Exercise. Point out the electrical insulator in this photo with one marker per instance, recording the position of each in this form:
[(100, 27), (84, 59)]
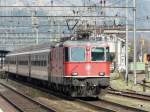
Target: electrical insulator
[(114, 23), (101, 2), (147, 17), (52, 2), (104, 2), (73, 11)]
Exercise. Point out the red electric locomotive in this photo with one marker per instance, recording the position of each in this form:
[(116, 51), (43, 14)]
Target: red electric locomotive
[(77, 68), (87, 66)]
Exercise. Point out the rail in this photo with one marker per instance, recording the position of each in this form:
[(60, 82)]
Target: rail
[(25, 98), (134, 95)]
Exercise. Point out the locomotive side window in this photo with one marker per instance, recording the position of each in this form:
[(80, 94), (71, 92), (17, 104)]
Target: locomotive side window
[(66, 54), (77, 54), (108, 55), (97, 54)]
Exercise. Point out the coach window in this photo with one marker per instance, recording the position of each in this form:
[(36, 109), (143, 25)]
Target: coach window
[(37, 60), (97, 54), (42, 60), (34, 60), (77, 54)]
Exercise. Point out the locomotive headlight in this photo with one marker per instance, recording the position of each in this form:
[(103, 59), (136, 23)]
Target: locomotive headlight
[(74, 74), (102, 73)]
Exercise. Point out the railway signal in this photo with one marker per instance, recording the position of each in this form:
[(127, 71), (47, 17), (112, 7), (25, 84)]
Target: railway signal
[(148, 57)]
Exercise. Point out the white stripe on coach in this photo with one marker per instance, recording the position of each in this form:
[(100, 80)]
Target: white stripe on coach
[(31, 52)]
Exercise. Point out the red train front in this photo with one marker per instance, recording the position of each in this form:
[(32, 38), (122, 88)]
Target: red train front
[(86, 67)]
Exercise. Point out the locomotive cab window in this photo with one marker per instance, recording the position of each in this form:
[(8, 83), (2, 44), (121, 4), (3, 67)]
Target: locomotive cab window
[(97, 54), (77, 54)]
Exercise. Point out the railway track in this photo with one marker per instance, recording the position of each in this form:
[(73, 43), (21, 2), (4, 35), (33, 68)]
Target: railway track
[(129, 94), (101, 105), (22, 102), (108, 106)]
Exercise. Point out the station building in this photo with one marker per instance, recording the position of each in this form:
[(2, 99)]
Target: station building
[(117, 49)]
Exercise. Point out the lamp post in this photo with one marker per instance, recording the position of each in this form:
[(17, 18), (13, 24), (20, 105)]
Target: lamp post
[(126, 76)]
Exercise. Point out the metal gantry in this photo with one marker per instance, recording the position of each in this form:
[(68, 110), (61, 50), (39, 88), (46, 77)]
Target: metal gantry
[(29, 22)]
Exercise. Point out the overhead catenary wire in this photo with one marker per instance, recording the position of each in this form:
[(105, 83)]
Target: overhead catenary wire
[(66, 4)]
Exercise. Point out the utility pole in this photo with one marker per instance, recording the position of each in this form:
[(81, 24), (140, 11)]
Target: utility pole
[(142, 46), (35, 25), (52, 22), (36, 29), (37, 35), (134, 34), (126, 76)]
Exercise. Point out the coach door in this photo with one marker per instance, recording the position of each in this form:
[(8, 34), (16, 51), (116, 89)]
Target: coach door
[(49, 66), (29, 65), (61, 63), (17, 64)]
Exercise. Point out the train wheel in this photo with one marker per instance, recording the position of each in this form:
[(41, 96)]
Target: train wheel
[(68, 90), (63, 89), (73, 91)]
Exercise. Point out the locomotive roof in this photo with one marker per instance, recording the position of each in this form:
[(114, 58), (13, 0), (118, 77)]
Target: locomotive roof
[(86, 43), (47, 46)]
